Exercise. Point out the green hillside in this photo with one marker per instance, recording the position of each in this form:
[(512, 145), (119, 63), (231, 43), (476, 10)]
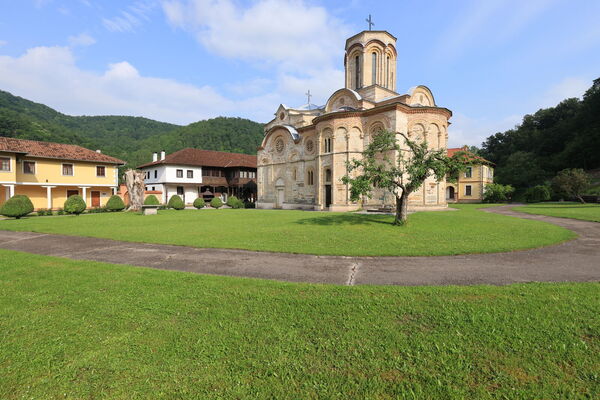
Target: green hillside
[(132, 139)]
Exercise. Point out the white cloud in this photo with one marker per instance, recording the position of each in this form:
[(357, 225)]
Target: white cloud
[(291, 33), (565, 89), (131, 18), (50, 75), (83, 39), (302, 44)]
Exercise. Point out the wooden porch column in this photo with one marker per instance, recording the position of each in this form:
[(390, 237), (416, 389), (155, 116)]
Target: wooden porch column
[(49, 196)]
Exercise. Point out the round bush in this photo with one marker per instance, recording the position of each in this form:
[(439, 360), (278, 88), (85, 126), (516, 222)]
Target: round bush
[(151, 200), (74, 205), (234, 202), (199, 203), (115, 203), (216, 202), (17, 206), (176, 203)]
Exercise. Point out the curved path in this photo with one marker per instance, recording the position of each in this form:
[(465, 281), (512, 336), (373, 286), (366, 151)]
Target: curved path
[(577, 260)]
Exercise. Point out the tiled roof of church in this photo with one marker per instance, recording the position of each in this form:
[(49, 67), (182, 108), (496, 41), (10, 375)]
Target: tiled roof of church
[(206, 158), (61, 151)]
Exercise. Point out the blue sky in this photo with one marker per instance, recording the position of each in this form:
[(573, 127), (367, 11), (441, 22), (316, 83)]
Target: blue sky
[(180, 61)]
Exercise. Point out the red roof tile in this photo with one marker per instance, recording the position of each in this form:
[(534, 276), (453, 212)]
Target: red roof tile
[(207, 158), (472, 156), (70, 152)]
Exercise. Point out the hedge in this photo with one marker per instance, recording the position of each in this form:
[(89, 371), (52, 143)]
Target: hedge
[(17, 206), (75, 205), (176, 203), (216, 202), (151, 200), (115, 203), (199, 203)]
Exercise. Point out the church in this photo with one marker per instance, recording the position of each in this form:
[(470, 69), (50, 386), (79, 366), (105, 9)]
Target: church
[(303, 155)]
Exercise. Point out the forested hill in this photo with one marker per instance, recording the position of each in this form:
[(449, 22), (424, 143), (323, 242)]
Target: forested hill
[(132, 139), (552, 139)]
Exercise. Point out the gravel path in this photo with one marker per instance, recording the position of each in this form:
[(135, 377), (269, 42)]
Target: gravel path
[(576, 261)]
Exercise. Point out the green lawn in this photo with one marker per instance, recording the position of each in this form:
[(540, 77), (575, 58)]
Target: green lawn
[(587, 212), (74, 329), (468, 230)]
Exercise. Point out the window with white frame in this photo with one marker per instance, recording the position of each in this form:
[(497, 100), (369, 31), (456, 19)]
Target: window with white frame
[(179, 173), (67, 170), (190, 174), (101, 171), (5, 164), (29, 167)]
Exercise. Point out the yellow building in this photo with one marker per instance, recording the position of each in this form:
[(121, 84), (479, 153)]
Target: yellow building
[(470, 183), (48, 173)]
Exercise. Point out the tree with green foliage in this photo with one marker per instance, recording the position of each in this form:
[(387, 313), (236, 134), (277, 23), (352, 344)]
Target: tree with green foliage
[(571, 183), (385, 165), (151, 200), (537, 193), (199, 203), (497, 193), (75, 205), (115, 203), (176, 203), (216, 202), (17, 206), (550, 140)]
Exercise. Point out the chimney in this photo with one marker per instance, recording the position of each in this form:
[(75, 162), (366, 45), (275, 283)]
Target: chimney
[(162, 155), (99, 151), (154, 157)]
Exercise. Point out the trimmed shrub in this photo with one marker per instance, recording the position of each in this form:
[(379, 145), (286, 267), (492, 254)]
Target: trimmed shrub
[(75, 205), (497, 193), (176, 203), (17, 206), (199, 203), (234, 202), (60, 211), (41, 212), (115, 203), (216, 203), (537, 193), (151, 200), (249, 204)]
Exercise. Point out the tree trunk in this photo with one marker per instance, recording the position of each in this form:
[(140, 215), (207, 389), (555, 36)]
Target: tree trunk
[(580, 199), (401, 209), (134, 180)]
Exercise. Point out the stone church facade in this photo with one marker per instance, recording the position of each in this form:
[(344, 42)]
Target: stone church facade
[(304, 152)]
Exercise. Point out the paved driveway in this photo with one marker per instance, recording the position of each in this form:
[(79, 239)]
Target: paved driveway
[(577, 260)]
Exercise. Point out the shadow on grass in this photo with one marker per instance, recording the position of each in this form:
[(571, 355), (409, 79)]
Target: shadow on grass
[(347, 219)]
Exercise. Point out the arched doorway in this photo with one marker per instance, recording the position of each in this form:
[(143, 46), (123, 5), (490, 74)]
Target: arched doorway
[(327, 187)]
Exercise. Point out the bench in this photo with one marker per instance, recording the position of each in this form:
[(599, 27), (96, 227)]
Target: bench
[(150, 210)]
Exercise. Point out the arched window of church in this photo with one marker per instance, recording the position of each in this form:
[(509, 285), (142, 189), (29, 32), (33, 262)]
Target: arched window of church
[(373, 68), (328, 175), (357, 72), (310, 178), (387, 72)]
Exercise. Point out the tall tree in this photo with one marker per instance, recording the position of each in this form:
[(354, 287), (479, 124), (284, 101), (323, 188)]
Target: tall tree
[(401, 171)]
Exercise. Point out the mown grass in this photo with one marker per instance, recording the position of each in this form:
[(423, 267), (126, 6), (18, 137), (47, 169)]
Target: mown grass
[(586, 212), (76, 329), (467, 230)]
